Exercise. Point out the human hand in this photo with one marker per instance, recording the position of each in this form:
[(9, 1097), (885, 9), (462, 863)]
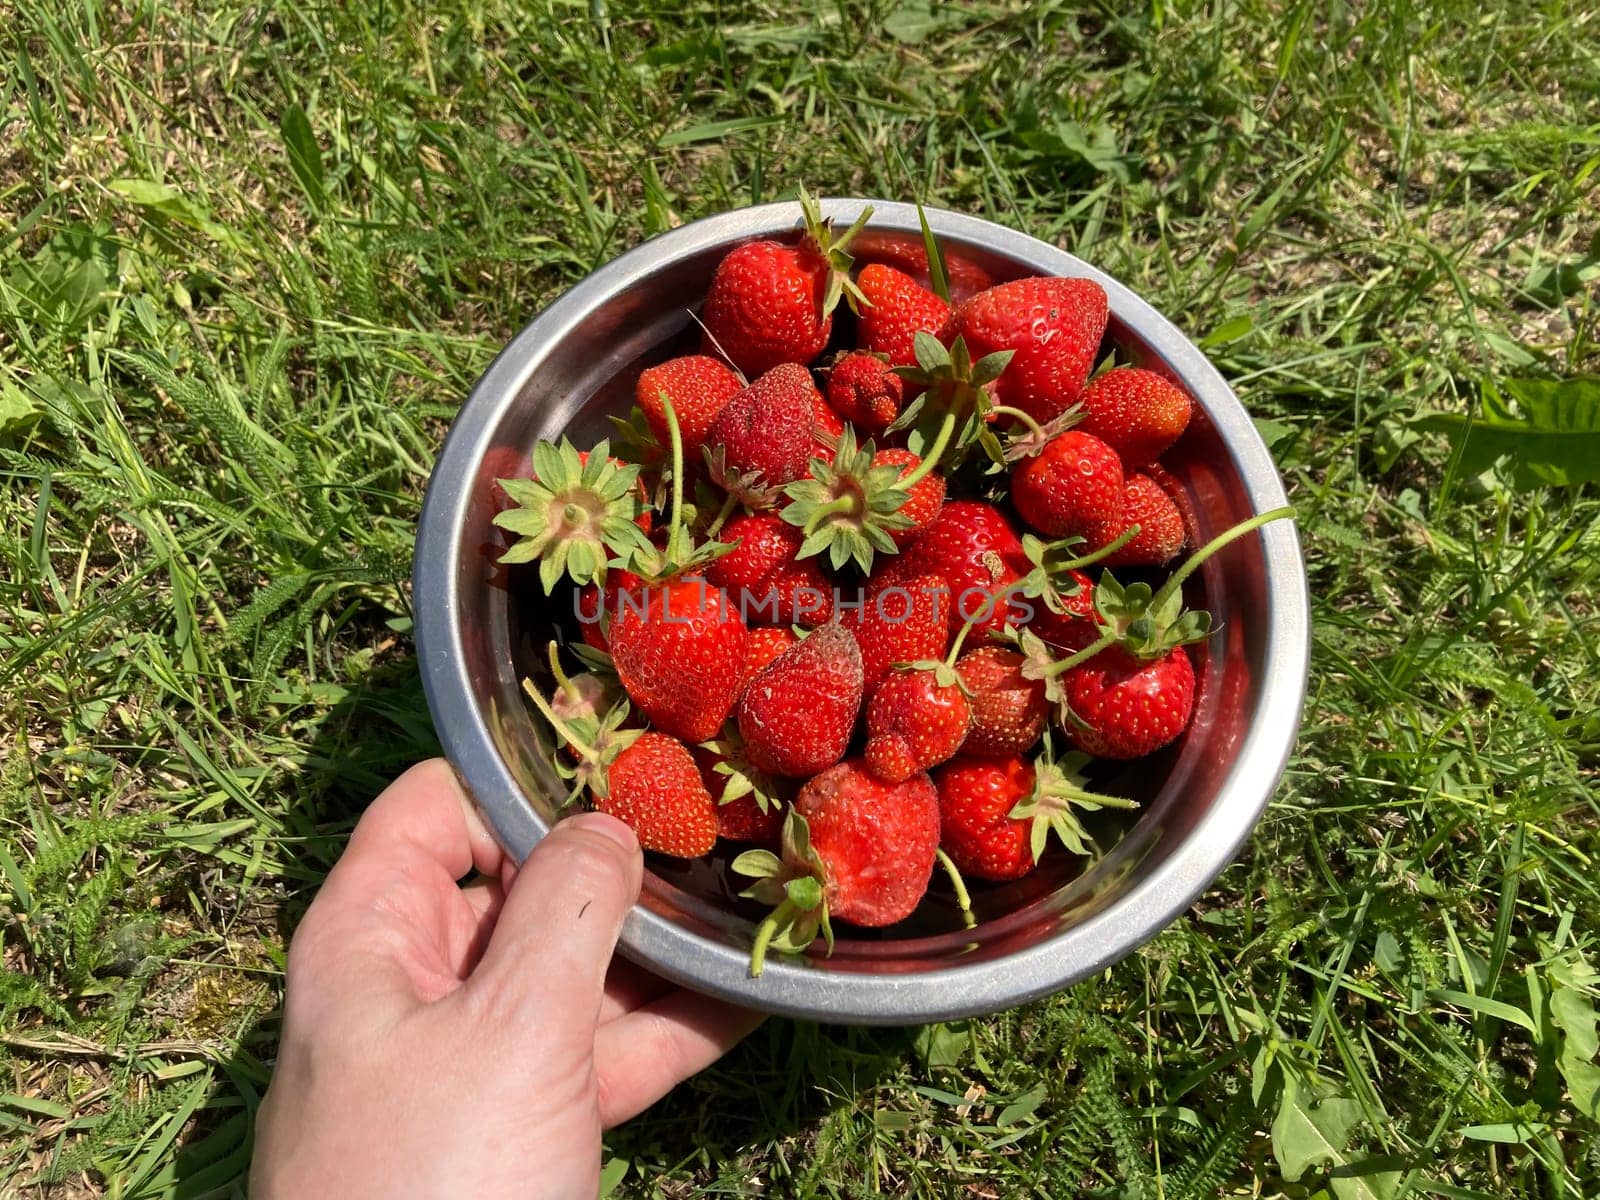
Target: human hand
[(441, 1040)]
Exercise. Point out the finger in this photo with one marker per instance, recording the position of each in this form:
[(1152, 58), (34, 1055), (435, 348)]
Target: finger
[(629, 987), (546, 960), (483, 899), (641, 1057), (392, 895)]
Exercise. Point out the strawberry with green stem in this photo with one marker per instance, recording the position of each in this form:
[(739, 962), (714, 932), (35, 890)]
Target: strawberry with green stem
[(997, 814), (1130, 691), (919, 716), (772, 302), (854, 506), (678, 644), (579, 512), (854, 849), (647, 780), (749, 802)]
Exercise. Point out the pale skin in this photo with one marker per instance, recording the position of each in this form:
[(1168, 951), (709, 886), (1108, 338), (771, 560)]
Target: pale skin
[(444, 1040)]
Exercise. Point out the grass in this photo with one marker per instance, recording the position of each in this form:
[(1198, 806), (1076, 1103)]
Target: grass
[(252, 257)]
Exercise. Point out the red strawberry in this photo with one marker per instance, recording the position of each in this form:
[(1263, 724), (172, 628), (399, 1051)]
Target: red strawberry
[(854, 848), (898, 620), (1008, 710), (762, 575), (797, 715), (965, 277), (1126, 707), (974, 548), (918, 718), (862, 388), (1053, 324), (766, 643), (1138, 413), (1161, 535), (926, 496), (655, 789), (679, 649), (1068, 487), (772, 302), (747, 808), (766, 427), (996, 815), (699, 387), (877, 840), (897, 309), (976, 828)]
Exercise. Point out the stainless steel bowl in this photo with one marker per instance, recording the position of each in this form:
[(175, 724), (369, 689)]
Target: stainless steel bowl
[(476, 635)]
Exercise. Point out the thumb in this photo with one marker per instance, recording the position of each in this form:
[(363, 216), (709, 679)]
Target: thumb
[(546, 960)]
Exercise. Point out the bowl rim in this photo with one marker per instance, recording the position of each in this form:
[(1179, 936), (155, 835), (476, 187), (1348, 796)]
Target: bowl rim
[(793, 988)]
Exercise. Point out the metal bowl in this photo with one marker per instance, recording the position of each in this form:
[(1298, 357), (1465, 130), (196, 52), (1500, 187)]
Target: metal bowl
[(479, 627)]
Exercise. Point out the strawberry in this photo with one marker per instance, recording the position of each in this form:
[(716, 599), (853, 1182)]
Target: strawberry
[(1071, 485), (1008, 710), (1054, 326), (1075, 626), (762, 574), (748, 806), (765, 644), (965, 277), (772, 302), (797, 714), (579, 510), (654, 787), (854, 848), (647, 780), (861, 503), (1161, 534), (996, 815), (898, 620), (1131, 691), (897, 309), (1138, 413), (976, 829), (766, 428), (973, 547), (918, 717), (679, 649), (862, 389), (699, 387), (1122, 706)]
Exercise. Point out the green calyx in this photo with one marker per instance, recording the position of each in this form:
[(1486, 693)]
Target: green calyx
[(796, 886), (1050, 581), (748, 488), (834, 249), (952, 412), (848, 507), (574, 516), (596, 734), (1057, 798), (740, 777)]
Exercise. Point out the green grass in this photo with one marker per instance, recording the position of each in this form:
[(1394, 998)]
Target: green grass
[(252, 258)]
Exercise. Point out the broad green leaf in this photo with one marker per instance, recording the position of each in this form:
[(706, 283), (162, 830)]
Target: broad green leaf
[(1022, 1107), (305, 157), (1310, 1132), (1548, 429), (1366, 1179), (1485, 1007)]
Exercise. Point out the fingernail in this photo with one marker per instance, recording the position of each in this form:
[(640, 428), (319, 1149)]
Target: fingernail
[(606, 826)]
